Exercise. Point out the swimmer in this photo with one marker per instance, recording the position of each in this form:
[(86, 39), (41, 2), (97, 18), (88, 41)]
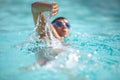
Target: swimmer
[(60, 28)]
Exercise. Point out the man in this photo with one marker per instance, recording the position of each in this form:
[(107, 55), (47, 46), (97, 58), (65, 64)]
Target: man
[(60, 26)]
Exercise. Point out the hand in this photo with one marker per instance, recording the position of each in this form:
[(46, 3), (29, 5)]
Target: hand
[(54, 10), (38, 7)]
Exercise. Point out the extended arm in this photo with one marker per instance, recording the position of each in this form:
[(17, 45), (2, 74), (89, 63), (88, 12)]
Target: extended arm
[(40, 8)]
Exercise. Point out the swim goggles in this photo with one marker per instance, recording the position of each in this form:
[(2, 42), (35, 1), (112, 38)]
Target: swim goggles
[(60, 24)]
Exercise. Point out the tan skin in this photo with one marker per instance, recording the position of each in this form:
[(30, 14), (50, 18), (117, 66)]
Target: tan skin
[(62, 31), (59, 32), (41, 7)]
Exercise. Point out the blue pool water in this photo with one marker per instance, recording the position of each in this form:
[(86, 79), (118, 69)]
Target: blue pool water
[(94, 53)]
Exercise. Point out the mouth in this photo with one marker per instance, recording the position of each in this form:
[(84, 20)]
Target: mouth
[(64, 32)]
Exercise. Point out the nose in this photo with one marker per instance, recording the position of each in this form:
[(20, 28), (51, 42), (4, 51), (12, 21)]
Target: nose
[(64, 25)]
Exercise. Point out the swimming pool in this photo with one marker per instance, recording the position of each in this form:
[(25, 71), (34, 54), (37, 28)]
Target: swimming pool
[(95, 39)]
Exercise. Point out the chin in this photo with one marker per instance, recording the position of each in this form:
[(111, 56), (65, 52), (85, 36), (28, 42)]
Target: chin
[(66, 36)]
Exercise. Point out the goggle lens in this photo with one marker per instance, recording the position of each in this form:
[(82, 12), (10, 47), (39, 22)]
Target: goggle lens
[(60, 24)]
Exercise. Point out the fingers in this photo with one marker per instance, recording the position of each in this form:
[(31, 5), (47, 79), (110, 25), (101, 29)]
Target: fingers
[(54, 9), (55, 5)]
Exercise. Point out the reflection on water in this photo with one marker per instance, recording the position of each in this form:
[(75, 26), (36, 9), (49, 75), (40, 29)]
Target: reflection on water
[(92, 55)]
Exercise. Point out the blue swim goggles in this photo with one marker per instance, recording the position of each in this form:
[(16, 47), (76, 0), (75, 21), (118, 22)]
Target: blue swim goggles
[(60, 24)]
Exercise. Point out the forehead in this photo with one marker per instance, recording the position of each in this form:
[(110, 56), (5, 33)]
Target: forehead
[(63, 20)]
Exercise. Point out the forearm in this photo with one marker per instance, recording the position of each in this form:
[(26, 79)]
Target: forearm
[(38, 8), (41, 26)]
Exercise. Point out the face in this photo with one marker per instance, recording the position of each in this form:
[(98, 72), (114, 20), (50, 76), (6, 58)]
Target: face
[(62, 27)]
